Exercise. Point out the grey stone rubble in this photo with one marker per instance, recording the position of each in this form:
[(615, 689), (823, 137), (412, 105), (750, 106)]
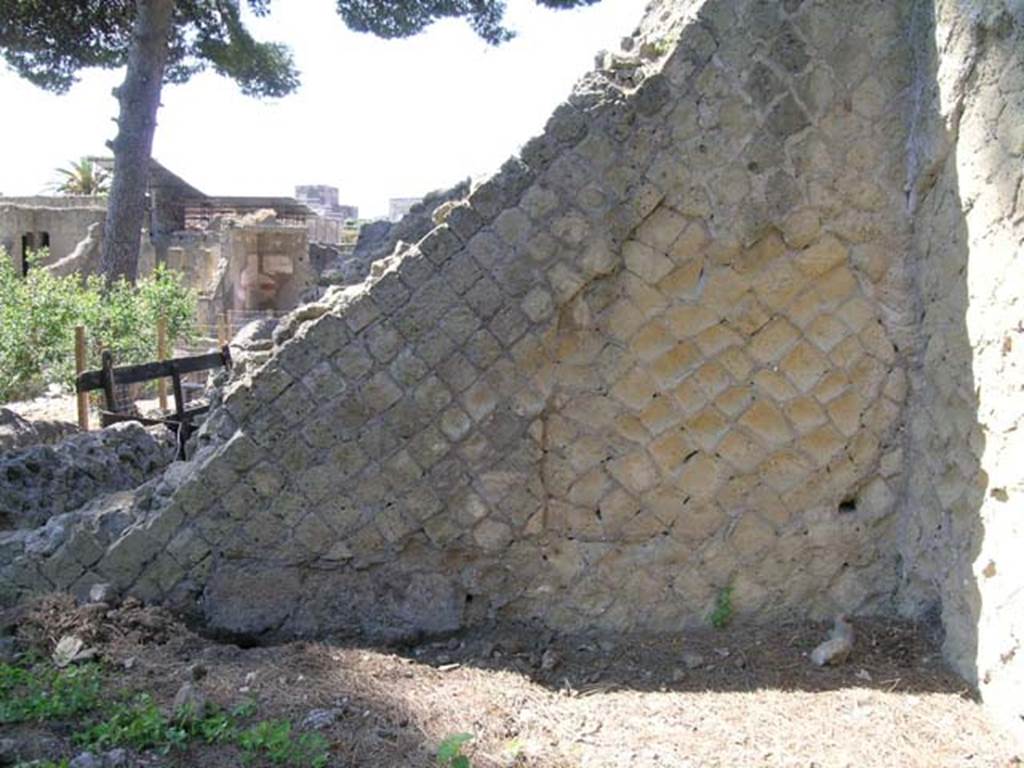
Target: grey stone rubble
[(45, 480), (17, 432), (738, 323)]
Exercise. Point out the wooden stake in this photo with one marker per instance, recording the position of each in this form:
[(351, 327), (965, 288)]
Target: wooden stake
[(161, 355), (222, 330), (83, 397)]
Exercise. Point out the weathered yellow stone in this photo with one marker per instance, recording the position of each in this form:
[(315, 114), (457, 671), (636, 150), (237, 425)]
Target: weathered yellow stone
[(751, 536), (645, 297), (586, 451), (761, 254), (690, 243), (588, 490), (690, 397), (737, 362), (856, 313), (783, 470), (804, 366), (801, 228), (774, 385), (684, 281), (635, 389), (700, 477), (805, 308), (747, 316), (722, 289), (837, 286), (773, 341), (631, 428), (821, 445), (651, 341), (670, 449), (645, 262), (623, 320), (831, 385), (822, 256), (616, 509), (741, 451), (686, 320), (716, 338), (660, 414), (707, 428), (877, 343), (661, 229), (712, 378), (673, 366), (735, 400), (826, 331), (805, 414), (847, 352), (778, 285), (767, 422), (845, 412)]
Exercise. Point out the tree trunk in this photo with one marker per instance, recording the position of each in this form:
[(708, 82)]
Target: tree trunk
[(139, 99)]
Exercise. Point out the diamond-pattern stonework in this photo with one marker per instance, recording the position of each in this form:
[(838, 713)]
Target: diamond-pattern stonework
[(651, 361)]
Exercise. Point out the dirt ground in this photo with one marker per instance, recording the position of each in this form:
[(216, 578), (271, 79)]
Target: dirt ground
[(735, 697)]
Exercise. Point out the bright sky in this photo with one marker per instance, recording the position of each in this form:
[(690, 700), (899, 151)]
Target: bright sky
[(377, 119)]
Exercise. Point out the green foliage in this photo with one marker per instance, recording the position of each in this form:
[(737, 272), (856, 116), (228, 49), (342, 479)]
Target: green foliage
[(722, 613), (42, 692), (274, 740), (83, 177), (141, 725), (39, 312), (449, 751)]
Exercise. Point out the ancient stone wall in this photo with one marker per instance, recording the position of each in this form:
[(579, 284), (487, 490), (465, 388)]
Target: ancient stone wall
[(964, 532), (740, 321), (651, 360), (65, 224)]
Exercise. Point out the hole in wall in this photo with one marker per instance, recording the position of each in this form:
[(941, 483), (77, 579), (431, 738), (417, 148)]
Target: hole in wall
[(847, 505)]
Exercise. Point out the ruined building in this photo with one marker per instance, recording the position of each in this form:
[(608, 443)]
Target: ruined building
[(241, 254), (744, 316)]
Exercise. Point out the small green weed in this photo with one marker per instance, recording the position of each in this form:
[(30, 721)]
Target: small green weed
[(41, 692), (449, 751), (722, 614), (141, 725), (274, 739)]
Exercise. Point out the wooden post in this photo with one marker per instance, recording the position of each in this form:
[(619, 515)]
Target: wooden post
[(222, 329), (161, 355), (83, 397)]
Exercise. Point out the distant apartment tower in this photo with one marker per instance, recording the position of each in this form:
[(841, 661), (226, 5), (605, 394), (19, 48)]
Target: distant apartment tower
[(327, 225), (399, 206)]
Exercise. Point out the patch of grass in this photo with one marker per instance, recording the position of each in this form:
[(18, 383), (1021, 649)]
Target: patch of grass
[(449, 751), (273, 739), (722, 613), (41, 692)]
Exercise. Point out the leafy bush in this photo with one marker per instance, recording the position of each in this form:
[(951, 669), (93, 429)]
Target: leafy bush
[(39, 312), (44, 693)]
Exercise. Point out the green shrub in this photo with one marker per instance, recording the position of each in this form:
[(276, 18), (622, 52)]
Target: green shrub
[(39, 312), (722, 613), (43, 693)]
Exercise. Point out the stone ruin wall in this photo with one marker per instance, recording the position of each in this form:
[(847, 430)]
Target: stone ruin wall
[(636, 368), (963, 529), (674, 348)]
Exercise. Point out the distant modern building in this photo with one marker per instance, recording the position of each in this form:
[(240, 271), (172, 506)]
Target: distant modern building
[(399, 206), (330, 215)]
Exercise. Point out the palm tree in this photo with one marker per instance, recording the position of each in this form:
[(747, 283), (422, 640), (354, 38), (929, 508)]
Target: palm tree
[(84, 177)]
